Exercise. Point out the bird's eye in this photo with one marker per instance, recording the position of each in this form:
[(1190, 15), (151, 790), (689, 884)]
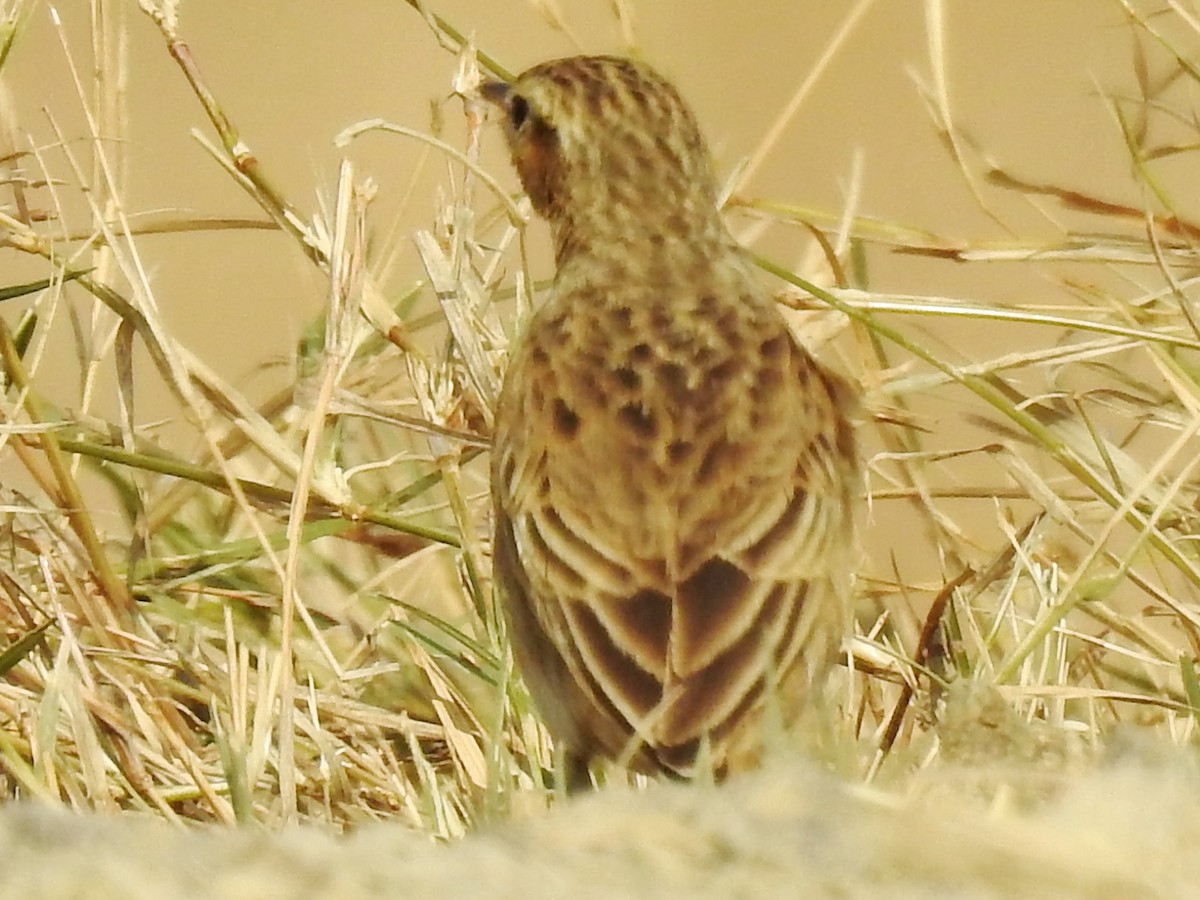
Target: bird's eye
[(518, 110)]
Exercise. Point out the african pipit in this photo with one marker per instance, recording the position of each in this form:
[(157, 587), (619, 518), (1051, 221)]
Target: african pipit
[(672, 471)]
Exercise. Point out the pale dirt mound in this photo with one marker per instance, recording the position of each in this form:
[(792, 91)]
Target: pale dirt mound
[(1127, 830)]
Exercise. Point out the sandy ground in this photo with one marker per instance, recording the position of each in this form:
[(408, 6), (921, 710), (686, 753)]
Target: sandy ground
[(1127, 829)]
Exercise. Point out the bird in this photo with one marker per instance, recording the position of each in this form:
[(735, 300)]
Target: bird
[(673, 473)]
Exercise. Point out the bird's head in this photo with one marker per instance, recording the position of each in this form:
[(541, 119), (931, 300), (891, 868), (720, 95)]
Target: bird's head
[(605, 147)]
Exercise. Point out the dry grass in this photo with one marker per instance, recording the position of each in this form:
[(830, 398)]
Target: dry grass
[(296, 621)]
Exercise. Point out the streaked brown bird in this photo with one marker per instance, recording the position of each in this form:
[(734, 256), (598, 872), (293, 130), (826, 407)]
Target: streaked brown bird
[(673, 474)]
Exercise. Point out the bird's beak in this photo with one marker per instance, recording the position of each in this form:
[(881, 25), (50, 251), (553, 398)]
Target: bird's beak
[(494, 92)]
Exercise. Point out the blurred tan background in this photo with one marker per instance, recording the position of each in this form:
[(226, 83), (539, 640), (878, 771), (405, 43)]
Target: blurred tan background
[(1025, 79)]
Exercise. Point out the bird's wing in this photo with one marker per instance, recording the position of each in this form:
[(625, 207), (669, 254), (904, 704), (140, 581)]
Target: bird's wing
[(670, 609)]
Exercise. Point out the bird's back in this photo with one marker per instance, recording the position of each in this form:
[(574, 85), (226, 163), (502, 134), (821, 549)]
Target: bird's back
[(670, 478)]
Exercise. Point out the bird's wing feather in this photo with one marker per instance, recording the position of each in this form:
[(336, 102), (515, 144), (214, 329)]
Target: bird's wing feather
[(675, 648)]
